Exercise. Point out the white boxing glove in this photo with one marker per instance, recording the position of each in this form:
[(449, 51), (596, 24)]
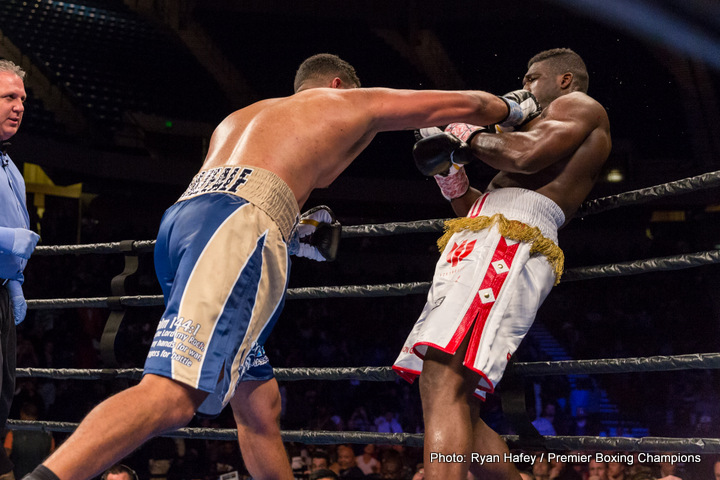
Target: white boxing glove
[(522, 107), (317, 235)]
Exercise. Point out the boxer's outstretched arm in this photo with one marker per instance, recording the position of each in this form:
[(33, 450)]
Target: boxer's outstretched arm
[(410, 109)]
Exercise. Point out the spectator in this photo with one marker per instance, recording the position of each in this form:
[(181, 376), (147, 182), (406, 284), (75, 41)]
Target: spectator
[(616, 471), (388, 423), (544, 469), (705, 427), (638, 467), (226, 458), (541, 469), (160, 459), (319, 460), (668, 471), (580, 425), (643, 475), (297, 460), (392, 466), (28, 448), (119, 472), (544, 423), (560, 471), (26, 391), (359, 421), (579, 469), (367, 461), (346, 465), (597, 470), (323, 474)]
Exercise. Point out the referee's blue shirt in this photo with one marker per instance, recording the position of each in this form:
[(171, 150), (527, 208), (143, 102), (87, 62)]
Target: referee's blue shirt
[(13, 214)]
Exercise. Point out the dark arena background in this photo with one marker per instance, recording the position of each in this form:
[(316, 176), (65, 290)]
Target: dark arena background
[(124, 95)]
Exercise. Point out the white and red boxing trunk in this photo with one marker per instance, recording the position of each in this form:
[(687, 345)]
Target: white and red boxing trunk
[(497, 267)]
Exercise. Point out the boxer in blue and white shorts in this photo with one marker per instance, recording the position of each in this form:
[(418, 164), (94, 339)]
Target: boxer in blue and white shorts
[(222, 259), (224, 283)]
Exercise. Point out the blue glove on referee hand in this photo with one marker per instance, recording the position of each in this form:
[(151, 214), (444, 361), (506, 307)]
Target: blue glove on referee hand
[(19, 307), (18, 241)]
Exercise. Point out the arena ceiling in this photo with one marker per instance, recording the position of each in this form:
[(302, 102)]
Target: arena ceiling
[(654, 65)]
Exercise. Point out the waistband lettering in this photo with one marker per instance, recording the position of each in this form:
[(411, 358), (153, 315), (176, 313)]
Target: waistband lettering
[(222, 179), (242, 179)]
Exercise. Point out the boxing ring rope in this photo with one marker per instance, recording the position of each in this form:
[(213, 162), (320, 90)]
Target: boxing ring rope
[(644, 195), (661, 363), (384, 374), (676, 262), (320, 437), (598, 205)]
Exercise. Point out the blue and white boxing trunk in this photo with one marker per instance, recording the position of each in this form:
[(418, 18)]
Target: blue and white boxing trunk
[(496, 268), (221, 259)]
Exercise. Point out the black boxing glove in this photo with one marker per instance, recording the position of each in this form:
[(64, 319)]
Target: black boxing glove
[(317, 235), (436, 154)]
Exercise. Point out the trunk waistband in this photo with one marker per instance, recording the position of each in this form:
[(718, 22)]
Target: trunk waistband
[(523, 205), (258, 186)]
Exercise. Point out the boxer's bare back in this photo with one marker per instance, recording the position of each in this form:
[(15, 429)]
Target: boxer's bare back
[(309, 138)]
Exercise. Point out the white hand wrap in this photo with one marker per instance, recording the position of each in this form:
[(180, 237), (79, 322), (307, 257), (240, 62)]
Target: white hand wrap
[(464, 131), (455, 184)]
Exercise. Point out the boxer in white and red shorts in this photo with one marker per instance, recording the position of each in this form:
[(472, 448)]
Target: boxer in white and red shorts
[(502, 257), (496, 268)]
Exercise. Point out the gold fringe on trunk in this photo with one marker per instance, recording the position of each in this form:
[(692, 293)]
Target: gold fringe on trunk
[(513, 230)]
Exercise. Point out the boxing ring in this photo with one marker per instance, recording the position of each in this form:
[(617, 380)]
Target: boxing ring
[(118, 302)]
